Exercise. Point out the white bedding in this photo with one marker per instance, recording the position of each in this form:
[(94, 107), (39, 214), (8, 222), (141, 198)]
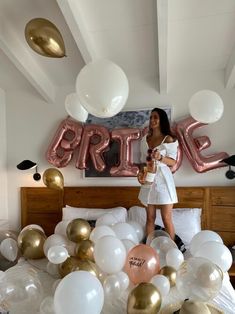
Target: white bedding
[(225, 300)]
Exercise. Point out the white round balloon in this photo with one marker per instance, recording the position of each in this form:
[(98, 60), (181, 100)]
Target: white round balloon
[(101, 231), (106, 219), (202, 237), (9, 249), (174, 258), (206, 106), (124, 230), (139, 229), (162, 283), (102, 88), (217, 253), (57, 254), (74, 108), (110, 254), (79, 292)]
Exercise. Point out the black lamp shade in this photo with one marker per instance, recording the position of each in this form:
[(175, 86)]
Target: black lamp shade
[(229, 161), (26, 164)]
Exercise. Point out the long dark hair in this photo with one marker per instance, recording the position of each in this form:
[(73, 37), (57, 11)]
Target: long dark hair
[(164, 122)]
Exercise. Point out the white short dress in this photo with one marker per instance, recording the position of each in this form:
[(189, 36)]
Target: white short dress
[(162, 191)]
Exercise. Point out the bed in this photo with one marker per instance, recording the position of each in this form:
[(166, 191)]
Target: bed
[(44, 207)]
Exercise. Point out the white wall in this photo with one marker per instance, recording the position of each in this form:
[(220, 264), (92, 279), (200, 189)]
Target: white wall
[(3, 159), (31, 124)]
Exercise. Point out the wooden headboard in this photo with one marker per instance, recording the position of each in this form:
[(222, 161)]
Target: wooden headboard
[(43, 206)]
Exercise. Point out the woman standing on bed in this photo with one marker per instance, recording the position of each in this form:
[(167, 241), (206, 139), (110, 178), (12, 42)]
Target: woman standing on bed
[(161, 193)]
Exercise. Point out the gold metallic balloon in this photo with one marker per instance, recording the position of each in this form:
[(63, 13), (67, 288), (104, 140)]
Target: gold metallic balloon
[(88, 266), (144, 299), (85, 250), (30, 243), (73, 263), (170, 273), (53, 178), (78, 229), (44, 38), (69, 265)]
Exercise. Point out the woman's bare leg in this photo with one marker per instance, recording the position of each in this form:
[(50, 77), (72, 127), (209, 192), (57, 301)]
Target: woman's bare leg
[(166, 213), (151, 216)]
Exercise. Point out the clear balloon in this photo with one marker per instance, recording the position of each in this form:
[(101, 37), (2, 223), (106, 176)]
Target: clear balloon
[(44, 38), (206, 106), (52, 240), (53, 270), (217, 253), (192, 146), (126, 165), (142, 263), (128, 244), (162, 283), (53, 179), (155, 234), (102, 87), (110, 254), (74, 108), (79, 292), (199, 279), (162, 245), (112, 287), (21, 290), (61, 227), (33, 226), (64, 142), (47, 306), (123, 280), (202, 237)]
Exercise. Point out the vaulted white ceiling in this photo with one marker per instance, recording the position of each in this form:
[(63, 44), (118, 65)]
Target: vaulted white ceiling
[(150, 39)]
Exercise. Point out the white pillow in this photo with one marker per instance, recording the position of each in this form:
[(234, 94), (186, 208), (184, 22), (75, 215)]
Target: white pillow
[(70, 213), (187, 221)]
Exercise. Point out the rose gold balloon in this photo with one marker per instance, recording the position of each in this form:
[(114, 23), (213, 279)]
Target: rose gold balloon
[(95, 148), (126, 167), (170, 273), (144, 299), (78, 229), (30, 242), (142, 263), (65, 141), (85, 250), (193, 146)]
